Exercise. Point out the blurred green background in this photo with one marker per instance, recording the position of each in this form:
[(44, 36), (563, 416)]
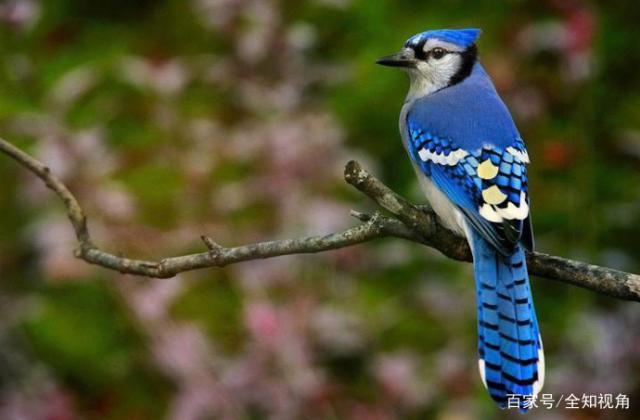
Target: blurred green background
[(233, 118)]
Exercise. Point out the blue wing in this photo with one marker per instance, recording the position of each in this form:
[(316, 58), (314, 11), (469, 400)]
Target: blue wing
[(487, 183), (486, 176)]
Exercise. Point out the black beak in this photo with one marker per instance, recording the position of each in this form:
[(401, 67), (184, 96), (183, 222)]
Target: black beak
[(403, 58)]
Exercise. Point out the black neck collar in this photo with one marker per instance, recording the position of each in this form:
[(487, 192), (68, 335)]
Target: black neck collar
[(469, 58)]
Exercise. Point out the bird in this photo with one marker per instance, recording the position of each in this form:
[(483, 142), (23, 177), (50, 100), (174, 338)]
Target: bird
[(470, 161)]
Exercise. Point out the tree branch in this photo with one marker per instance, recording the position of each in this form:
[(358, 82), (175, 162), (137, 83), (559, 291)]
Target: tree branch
[(410, 223), (603, 280)]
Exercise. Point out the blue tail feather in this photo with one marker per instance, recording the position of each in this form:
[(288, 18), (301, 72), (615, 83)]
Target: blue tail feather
[(509, 345)]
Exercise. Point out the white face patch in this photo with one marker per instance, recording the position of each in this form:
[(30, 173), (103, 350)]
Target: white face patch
[(434, 74)]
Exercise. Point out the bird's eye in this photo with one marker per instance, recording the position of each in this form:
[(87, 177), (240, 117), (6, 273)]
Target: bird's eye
[(438, 53)]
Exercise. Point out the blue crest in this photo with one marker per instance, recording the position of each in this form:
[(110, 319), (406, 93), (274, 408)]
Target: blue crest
[(461, 37)]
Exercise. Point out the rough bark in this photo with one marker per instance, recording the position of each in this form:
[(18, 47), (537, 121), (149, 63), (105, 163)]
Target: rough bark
[(408, 221)]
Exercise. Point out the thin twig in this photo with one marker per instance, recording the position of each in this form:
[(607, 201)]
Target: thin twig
[(410, 222)]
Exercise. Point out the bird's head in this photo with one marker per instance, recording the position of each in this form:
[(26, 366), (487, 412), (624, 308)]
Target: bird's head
[(436, 59)]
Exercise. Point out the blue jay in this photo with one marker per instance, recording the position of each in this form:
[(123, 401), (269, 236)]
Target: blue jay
[(470, 161)]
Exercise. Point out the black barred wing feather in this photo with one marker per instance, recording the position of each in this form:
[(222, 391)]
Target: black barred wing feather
[(488, 184)]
